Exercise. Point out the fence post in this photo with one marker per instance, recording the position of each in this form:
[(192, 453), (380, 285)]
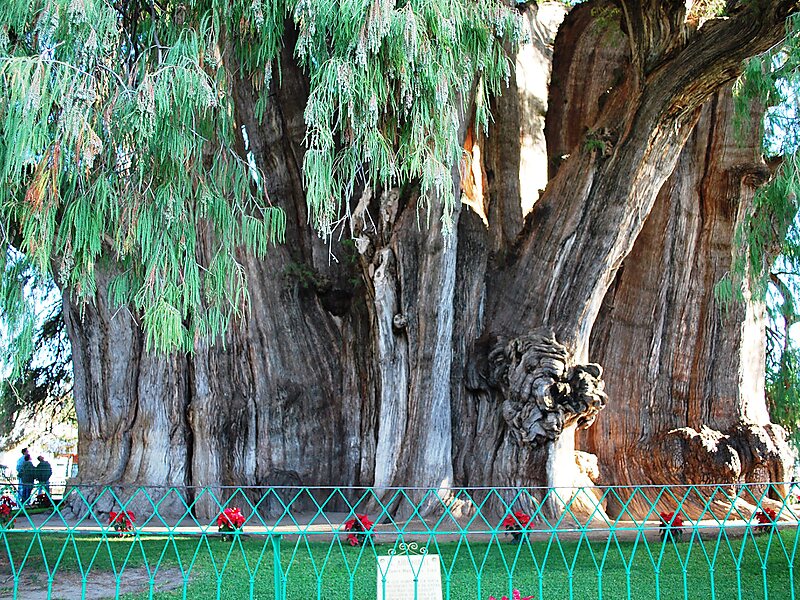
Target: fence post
[(276, 566)]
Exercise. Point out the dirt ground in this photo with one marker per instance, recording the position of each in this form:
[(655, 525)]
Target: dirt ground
[(99, 585)]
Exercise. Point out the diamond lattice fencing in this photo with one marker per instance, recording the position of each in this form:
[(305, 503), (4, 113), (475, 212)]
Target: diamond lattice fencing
[(709, 541)]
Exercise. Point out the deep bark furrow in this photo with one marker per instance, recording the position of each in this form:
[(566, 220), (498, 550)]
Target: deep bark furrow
[(391, 353), (426, 261)]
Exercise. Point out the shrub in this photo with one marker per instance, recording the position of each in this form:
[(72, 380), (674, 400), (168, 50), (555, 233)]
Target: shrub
[(358, 528), (123, 522)]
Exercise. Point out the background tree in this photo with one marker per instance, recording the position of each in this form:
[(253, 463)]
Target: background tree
[(36, 392), (151, 150)]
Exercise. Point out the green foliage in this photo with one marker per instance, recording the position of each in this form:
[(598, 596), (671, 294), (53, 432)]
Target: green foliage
[(606, 16), (39, 391), (783, 392), (389, 84), (769, 230), (599, 141), (21, 288), (36, 355), (121, 155), (117, 158), (303, 276), (783, 350), (772, 79)]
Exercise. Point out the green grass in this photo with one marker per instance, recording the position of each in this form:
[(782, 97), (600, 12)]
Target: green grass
[(742, 568)]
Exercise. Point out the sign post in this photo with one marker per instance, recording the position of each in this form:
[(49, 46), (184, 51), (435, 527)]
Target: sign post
[(409, 573)]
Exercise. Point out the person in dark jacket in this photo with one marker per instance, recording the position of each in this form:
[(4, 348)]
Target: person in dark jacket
[(43, 473), (27, 475)]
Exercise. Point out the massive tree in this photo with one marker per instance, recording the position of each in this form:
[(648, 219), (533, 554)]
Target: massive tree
[(394, 335)]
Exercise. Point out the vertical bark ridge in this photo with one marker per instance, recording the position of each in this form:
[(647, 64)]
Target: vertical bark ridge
[(682, 413), (426, 264)]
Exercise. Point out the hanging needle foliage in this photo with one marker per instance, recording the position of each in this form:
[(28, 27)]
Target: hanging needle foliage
[(122, 158)]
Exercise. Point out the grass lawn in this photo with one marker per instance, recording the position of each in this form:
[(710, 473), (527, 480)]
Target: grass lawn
[(756, 567)]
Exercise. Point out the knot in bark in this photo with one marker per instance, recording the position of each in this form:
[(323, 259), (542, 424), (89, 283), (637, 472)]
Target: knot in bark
[(543, 392), (399, 322)]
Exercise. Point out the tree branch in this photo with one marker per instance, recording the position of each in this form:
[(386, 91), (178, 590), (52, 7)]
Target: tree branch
[(655, 30), (715, 55)]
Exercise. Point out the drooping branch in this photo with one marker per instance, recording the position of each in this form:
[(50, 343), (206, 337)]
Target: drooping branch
[(787, 310)]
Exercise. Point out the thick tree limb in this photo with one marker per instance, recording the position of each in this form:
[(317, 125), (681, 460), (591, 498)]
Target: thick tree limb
[(646, 123), (715, 55), (654, 29)]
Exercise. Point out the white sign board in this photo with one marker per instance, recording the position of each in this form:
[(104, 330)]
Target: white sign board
[(397, 575)]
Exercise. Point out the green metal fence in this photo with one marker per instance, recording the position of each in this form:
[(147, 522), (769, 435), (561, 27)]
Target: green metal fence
[(710, 541)]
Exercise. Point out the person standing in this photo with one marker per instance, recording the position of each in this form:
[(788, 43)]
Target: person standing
[(27, 475), (43, 473), (20, 464)]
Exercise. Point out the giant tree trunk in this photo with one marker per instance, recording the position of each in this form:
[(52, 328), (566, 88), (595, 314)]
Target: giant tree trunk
[(687, 372), (616, 155), (412, 358)]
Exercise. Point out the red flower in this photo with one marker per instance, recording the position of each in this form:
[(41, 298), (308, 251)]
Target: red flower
[(767, 515), (515, 595), (519, 520), (359, 523), (671, 526), (671, 519), (7, 506), (122, 521), (766, 518), (230, 519)]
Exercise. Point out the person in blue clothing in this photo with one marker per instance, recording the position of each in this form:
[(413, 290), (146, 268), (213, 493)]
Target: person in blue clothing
[(20, 464)]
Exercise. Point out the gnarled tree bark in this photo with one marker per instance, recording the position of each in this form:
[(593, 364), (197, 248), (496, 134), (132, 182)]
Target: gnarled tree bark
[(688, 371), (415, 358)]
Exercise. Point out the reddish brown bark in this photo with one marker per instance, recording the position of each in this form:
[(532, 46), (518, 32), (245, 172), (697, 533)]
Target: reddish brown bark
[(687, 372)]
